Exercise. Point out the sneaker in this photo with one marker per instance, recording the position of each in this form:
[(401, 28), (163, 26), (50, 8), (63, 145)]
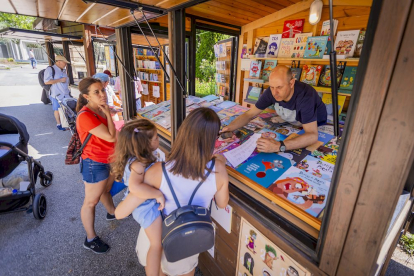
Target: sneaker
[(61, 128), (96, 245), (110, 217)]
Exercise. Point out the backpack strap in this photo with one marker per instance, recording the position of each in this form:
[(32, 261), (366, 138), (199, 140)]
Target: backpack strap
[(170, 186), (53, 72), (213, 161)]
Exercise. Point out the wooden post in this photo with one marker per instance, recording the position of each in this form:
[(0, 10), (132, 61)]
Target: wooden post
[(66, 54), (50, 53), (87, 44)]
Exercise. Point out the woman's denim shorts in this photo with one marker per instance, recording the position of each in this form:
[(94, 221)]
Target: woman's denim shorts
[(94, 172)]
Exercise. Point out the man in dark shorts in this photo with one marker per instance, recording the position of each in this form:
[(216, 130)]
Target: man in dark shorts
[(295, 102)]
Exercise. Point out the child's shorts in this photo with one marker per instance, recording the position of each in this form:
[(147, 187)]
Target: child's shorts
[(146, 213)]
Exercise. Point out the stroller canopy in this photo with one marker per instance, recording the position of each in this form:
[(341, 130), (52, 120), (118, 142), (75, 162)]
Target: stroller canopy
[(10, 125)]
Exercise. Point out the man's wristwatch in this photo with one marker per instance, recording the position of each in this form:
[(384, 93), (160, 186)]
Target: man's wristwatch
[(282, 147)]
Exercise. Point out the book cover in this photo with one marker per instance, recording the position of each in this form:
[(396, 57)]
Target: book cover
[(210, 98), (347, 82), (237, 109), (333, 144), (261, 48), (325, 77), (215, 108), (305, 190), (292, 27), (195, 99), (192, 107), (326, 27), (140, 52), (228, 120), (286, 48), (226, 104), (274, 122), (253, 93), (221, 144), (288, 129), (256, 124), (269, 65), (255, 69), (327, 99), (325, 154), (163, 120), (244, 51), (267, 133), (300, 45), (316, 167), (360, 42), (310, 74), (273, 45), (153, 113), (315, 46), (264, 168), (295, 156), (345, 42), (243, 134), (225, 113), (147, 109), (296, 72)]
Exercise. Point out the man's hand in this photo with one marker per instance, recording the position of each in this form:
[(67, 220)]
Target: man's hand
[(62, 80), (268, 145)]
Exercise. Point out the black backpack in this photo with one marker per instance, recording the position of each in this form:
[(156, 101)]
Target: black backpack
[(41, 76), (188, 230)]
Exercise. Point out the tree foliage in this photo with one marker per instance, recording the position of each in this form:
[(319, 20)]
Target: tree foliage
[(16, 21), (205, 59)]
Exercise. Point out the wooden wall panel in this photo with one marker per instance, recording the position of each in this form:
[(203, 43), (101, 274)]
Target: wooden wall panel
[(50, 8), (26, 7), (215, 14), (388, 165), (363, 127)]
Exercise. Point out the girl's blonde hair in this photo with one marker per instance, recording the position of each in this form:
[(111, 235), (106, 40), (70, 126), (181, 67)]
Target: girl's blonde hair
[(134, 141)]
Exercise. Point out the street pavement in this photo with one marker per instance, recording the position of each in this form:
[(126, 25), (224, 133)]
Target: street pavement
[(54, 246)]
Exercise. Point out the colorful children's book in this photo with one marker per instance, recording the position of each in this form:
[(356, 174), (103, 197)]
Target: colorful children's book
[(286, 47), (163, 120), (315, 46), (288, 129), (255, 69), (329, 129), (347, 82), (295, 156), (210, 98), (316, 167), (267, 133), (140, 51), (325, 77), (300, 45), (225, 113), (326, 27), (360, 42), (327, 99), (274, 122), (147, 109), (325, 154), (228, 120), (269, 65), (345, 43), (296, 72), (256, 124), (310, 74), (253, 93), (226, 104), (333, 144), (292, 27), (237, 109), (221, 144), (304, 190), (153, 113), (273, 45), (243, 134), (215, 108), (264, 168)]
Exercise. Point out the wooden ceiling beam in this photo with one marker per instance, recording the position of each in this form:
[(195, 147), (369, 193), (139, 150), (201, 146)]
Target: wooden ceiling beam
[(62, 9), (105, 15), (85, 11), (14, 8)]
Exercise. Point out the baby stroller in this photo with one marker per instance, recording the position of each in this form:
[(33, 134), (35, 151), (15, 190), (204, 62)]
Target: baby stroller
[(14, 139), (68, 106)]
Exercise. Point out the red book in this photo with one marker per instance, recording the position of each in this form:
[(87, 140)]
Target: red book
[(292, 27)]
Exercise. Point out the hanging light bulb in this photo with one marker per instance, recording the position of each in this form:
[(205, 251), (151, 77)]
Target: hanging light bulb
[(315, 12)]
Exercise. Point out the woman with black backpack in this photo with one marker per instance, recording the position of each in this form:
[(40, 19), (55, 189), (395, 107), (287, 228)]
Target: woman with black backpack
[(189, 179)]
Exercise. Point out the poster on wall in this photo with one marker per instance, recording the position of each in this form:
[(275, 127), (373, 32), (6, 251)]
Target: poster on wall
[(258, 256)]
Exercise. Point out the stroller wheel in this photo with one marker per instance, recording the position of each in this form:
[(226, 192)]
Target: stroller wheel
[(39, 206), (46, 179)]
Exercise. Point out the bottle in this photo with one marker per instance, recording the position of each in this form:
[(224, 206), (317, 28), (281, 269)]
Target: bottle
[(6, 191)]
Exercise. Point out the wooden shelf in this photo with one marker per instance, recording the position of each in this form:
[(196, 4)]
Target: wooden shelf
[(138, 56), (148, 69), (329, 91), (353, 60)]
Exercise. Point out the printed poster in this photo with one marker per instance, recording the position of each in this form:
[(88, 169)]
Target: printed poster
[(259, 256)]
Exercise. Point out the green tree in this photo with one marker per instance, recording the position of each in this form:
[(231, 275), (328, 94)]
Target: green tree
[(16, 21), (205, 59)]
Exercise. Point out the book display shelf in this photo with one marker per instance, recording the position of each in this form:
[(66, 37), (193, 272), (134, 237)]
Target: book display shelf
[(223, 62), (151, 75)]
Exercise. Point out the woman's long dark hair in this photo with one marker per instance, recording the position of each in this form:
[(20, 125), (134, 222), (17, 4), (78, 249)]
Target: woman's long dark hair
[(84, 90), (194, 146)]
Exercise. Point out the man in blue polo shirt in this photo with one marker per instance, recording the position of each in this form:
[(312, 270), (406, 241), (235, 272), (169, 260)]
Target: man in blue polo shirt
[(295, 102), (60, 86)]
